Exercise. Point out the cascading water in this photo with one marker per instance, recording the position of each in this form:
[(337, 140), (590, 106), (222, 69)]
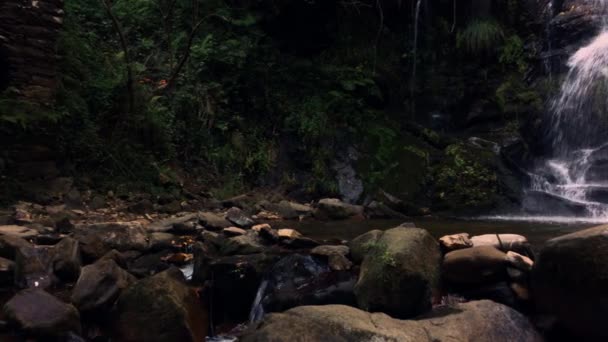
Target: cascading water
[(576, 172)]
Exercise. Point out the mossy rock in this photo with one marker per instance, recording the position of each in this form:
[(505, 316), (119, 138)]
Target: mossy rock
[(400, 272)]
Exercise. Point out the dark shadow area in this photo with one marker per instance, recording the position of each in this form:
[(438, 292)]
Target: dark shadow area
[(4, 68)]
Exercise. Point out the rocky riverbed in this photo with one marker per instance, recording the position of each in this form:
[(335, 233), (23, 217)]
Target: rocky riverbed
[(114, 270)]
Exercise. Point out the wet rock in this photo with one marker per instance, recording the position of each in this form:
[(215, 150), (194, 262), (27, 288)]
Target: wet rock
[(99, 285), (7, 272), (241, 245), (499, 292), (149, 264), (475, 265), (289, 233), (38, 313), (213, 221), (173, 311), (238, 217), (179, 223), (66, 259), (32, 268), (504, 242), (99, 238), (173, 207), (18, 231), (474, 321), (162, 241), (236, 280), (97, 202), (9, 245), (333, 208), (234, 231), (288, 210), (519, 261), (570, 281), (73, 200), (402, 260), (64, 225), (298, 280), (379, 210), (360, 245), (456, 241), (335, 256), (266, 232), (144, 206)]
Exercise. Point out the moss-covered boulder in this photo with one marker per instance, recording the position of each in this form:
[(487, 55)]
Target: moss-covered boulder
[(160, 308), (400, 272), (570, 280)]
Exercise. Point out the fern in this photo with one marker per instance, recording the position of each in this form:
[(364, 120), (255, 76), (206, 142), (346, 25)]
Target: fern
[(480, 36)]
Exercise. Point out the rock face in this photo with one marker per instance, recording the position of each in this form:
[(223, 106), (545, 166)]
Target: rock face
[(570, 280), (99, 285), (172, 311), (28, 35), (399, 273), (37, 312), (473, 321)]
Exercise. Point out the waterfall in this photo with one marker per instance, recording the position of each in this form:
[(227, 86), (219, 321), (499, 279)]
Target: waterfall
[(257, 309), (577, 170), (415, 54)]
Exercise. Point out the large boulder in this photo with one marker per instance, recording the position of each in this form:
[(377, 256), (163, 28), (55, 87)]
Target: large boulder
[(99, 238), (570, 280), (475, 265), (38, 313), (473, 321), (333, 208), (161, 308), (504, 242), (361, 244), (99, 285), (400, 273)]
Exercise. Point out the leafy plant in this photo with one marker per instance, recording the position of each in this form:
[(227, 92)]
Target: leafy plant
[(480, 37)]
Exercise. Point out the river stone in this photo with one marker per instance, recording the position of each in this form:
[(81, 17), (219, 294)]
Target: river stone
[(288, 210), (99, 238), (475, 265), (213, 221), (9, 245), (160, 308), (335, 255), (170, 223), (18, 231), (99, 285), (474, 321), (519, 261), (570, 280), (36, 312), (361, 244), (66, 259), (504, 242), (161, 241), (234, 231), (238, 217), (32, 267), (241, 245), (399, 273), (333, 208), (455, 241)]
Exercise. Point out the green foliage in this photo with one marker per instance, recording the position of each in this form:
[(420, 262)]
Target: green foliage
[(465, 180), (514, 98), (480, 37), (513, 54)]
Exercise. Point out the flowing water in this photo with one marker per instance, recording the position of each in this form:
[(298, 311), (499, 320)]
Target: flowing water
[(577, 171)]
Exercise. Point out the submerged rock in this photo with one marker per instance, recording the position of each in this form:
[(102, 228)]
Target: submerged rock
[(38, 313), (570, 280), (473, 321), (400, 273), (161, 308)]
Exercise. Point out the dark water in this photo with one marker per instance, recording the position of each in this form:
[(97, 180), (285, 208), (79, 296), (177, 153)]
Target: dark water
[(536, 232)]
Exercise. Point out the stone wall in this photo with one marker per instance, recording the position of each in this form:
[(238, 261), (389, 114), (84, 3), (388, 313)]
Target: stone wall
[(29, 30)]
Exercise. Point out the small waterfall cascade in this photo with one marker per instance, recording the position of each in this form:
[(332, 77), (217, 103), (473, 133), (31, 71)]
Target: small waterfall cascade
[(415, 54), (577, 170)]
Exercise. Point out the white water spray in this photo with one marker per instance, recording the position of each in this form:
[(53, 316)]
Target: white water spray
[(576, 171)]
